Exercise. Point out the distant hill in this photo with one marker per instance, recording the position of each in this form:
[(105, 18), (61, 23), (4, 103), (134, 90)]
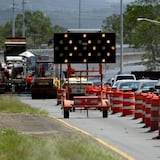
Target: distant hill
[(66, 12)]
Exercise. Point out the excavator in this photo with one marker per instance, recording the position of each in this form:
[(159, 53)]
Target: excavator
[(44, 81)]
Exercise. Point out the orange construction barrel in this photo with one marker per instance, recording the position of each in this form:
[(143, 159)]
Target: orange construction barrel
[(128, 103), (117, 101), (138, 105), (154, 113), (148, 105), (61, 95), (143, 108)]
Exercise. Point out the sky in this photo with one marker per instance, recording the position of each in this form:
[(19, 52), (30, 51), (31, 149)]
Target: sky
[(60, 11), (44, 4)]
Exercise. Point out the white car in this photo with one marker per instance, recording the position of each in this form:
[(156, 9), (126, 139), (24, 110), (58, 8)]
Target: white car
[(146, 85), (142, 85), (127, 84)]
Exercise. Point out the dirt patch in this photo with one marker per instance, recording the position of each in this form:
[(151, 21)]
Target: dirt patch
[(34, 124)]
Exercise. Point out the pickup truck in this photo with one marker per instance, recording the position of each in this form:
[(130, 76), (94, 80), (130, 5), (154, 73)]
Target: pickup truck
[(123, 77)]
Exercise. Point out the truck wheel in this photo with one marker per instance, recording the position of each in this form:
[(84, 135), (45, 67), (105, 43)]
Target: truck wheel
[(33, 96), (105, 113), (66, 114)]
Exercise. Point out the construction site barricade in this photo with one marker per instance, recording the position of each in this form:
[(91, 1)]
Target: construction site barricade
[(128, 103), (86, 101), (91, 90), (159, 120), (154, 113), (101, 94), (117, 101), (95, 90), (148, 104), (138, 105), (143, 108), (108, 90), (61, 95), (88, 90)]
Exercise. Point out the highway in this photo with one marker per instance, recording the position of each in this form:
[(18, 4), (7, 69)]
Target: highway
[(123, 134)]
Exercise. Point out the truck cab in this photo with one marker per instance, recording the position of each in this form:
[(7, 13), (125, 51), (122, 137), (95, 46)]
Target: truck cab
[(123, 77)]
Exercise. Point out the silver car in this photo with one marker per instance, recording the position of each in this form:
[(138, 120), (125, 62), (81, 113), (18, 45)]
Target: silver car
[(146, 85)]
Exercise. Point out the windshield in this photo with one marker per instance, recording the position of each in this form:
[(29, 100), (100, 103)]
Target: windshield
[(129, 85), (124, 77), (148, 85)]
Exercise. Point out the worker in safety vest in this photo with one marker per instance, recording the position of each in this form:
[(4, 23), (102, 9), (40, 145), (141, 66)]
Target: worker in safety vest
[(6, 73), (70, 71), (29, 82), (57, 82)]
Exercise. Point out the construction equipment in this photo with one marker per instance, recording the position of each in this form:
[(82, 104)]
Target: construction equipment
[(86, 103), (15, 64), (44, 83), (76, 86)]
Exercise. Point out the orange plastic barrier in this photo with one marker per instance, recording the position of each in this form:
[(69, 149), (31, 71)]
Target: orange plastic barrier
[(158, 137), (61, 95), (117, 101), (89, 90), (138, 105), (143, 108), (109, 96), (154, 113), (159, 121), (148, 104), (128, 103), (102, 94)]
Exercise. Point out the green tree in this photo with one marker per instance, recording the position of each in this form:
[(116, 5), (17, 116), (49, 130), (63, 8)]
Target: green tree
[(38, 28), (142, 33), (139, 34), (1, 37), (112, 24)]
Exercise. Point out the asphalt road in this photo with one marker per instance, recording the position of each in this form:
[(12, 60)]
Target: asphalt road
[(125, 135)]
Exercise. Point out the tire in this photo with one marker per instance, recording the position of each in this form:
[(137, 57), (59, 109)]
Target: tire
[(33, 96), (105, 113), (66, 114)]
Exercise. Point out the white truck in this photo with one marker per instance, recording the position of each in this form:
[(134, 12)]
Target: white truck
[(75, 86), (15, 63), (123, 77)]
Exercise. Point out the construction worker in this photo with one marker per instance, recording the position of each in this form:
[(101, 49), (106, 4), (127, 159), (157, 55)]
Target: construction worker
[(57, 82), (6, 73), (70, 71), (29, 82)]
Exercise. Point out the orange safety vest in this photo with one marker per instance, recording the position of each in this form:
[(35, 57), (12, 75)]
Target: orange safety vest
[(29, 79)]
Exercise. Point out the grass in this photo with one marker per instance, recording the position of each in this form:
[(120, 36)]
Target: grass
[(11, 104), (16, 146)]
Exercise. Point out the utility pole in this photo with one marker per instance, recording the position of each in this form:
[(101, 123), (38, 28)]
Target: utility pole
[(121, 34), (79, 17), (23, 27), (13, 19)]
